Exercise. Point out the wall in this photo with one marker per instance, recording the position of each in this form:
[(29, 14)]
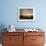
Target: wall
[(9, 13)]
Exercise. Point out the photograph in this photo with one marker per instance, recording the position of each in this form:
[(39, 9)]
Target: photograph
[(26, 14)]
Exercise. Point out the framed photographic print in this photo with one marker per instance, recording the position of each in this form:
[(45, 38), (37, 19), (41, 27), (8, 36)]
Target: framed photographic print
[(26, 14)]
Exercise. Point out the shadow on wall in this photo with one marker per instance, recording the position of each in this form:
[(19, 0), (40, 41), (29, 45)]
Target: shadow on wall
[(2, 26)]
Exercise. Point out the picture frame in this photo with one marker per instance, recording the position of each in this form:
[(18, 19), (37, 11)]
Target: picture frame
[(26, 14)]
